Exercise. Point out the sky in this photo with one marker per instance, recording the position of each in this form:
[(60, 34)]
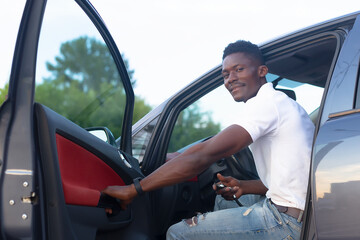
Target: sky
[(171, 43)]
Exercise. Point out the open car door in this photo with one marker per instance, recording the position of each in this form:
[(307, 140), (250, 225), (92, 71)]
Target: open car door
[(52, 168)]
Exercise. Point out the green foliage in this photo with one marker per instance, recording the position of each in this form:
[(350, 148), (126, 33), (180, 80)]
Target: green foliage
[(3, 93), (87, 61), (192, 125), (85, 87), (140, 109)]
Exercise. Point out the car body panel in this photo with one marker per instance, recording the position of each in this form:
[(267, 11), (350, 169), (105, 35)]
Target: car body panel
[(335, 170), (18, 219)]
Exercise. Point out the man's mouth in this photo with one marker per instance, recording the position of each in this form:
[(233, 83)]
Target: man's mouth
[(236, 87)]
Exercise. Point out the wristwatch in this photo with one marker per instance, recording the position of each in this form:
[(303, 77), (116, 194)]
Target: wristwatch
[(137, 185)]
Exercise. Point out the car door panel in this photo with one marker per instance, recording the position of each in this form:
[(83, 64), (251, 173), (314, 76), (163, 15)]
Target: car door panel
[(336, 177), (83, 174), (76, 167), (54, 169)]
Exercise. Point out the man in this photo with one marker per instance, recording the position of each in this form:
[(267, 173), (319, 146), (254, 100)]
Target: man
[(280, 133)]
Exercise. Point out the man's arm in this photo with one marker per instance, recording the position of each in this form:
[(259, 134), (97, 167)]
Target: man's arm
[(197, 158), (190, 163)]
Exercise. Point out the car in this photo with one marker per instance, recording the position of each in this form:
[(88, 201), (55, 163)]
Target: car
[(66, 130)]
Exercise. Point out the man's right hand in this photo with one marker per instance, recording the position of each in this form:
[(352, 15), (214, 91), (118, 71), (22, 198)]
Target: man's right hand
[(232, 187), (125, 193)]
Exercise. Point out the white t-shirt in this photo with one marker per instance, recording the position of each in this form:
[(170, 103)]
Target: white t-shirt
[(282, 135)]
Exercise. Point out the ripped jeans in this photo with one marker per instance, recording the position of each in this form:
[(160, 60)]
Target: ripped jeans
[(258, 221)]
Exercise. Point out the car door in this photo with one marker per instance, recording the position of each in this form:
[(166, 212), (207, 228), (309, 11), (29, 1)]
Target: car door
[(52, 168), (335, 185)]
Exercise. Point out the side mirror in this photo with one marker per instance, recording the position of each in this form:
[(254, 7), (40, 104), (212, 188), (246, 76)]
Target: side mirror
[(103, 133)]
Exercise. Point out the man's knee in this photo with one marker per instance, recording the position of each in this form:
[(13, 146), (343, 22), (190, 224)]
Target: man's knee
[(174, 231), (178, 230)]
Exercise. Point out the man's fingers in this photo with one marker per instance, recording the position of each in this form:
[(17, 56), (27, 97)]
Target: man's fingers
[(223, 178)]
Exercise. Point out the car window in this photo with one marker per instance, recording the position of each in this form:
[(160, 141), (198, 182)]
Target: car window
[(76, 75), (141, 140)]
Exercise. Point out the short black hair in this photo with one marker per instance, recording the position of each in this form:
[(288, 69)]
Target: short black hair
[(244, 47)]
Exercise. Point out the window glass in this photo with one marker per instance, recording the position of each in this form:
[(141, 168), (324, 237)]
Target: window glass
[(204, 118), (141, 140), (341, 92), (76, 75), (10, 18)]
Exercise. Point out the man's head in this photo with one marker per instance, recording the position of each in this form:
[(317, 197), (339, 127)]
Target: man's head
[(243, 70)]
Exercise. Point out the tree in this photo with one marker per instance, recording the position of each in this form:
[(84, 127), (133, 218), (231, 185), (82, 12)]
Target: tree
[(85, 86), (192, 125), (3, 93), (87, 61)]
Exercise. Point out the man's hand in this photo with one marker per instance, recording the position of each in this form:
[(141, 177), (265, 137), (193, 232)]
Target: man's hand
[(238, 188), (232, 187), (125, 193)]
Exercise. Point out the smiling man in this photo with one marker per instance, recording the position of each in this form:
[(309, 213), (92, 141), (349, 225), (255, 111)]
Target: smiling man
[(279, 133)]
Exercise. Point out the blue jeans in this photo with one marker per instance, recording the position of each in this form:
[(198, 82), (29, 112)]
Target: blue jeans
[(259, 221)]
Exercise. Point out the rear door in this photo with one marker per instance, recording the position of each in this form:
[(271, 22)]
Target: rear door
[(67, 75), (335, 176)]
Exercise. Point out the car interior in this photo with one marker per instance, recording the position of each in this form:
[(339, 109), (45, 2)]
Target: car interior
[(309, 62)]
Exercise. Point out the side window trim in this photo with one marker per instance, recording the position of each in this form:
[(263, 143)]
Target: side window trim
[(125, 141), (357, 97)]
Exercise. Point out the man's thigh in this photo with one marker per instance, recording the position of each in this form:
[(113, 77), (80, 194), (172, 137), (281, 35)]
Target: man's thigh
[(246, 200), (257, 221)]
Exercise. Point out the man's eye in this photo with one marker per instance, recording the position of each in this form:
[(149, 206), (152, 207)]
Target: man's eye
[(239, 69)]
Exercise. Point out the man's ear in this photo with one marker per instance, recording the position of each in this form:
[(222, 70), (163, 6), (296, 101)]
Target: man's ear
[(262, 70)]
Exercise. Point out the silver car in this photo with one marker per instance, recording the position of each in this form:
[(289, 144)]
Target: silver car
[(53, 168)]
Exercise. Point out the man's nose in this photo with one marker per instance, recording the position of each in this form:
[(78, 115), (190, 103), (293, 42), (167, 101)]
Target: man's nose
[(232, 77)]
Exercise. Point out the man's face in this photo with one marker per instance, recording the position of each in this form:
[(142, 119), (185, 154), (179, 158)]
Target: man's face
[(242, 76)]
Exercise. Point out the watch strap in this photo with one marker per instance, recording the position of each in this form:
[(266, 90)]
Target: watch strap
[(138, 187)]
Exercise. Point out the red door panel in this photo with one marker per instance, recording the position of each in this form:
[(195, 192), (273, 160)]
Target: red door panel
[(83, 174)]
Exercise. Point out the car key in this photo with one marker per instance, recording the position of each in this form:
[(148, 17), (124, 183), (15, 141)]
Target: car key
[(220, 185)]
